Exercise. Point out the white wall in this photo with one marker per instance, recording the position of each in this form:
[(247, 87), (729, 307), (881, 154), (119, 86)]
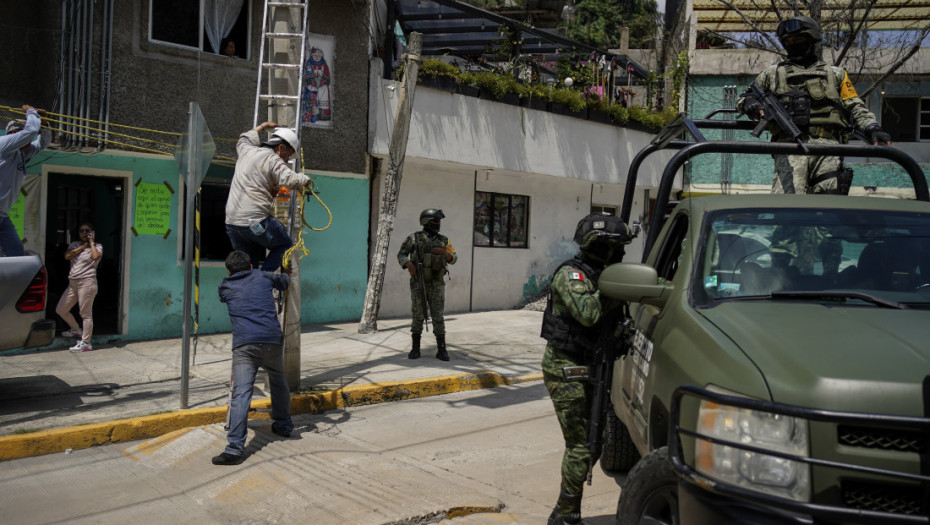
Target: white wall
[(458, 145)]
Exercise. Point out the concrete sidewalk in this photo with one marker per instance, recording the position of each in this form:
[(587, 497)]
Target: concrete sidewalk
[(54, 400)]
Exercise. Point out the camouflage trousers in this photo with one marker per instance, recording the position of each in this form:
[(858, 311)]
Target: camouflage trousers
[(572, 402), (793, 172), (436, 296)]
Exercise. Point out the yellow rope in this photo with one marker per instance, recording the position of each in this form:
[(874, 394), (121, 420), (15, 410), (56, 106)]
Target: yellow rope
[(167, 145), (115, 142), (70, 122), (19, 111), (325, 207)]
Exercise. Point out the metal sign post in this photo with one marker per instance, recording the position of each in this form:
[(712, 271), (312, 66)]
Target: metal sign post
[(194, 153)]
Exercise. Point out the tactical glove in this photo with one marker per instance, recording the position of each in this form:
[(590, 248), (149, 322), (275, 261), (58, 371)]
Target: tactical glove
[(877, 134), (752, 107)]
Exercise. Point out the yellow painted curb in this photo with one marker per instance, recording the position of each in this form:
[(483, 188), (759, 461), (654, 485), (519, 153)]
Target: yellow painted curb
[(122, 430)]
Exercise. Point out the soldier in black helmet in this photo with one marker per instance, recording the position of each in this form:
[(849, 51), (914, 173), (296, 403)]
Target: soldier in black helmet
[(823, 104), (430, 250), (572, 323)]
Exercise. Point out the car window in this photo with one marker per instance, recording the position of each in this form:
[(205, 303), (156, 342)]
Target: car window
[(752, 253)]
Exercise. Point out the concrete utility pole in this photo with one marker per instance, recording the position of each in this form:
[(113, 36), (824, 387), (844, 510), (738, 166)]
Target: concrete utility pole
[(388, 210)]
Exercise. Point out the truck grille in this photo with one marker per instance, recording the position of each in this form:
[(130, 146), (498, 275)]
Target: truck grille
[(885, 498), (882, 438)]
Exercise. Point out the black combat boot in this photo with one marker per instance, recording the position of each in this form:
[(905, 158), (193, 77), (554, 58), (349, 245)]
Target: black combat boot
[(442, 355), (415, 352), (567, 510)]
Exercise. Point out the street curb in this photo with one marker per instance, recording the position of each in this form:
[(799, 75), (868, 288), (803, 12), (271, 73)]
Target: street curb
[(62, 439)]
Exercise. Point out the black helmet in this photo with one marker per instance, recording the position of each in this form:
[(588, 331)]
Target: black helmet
[(430, 214), (799, 25), (802, 50), (601, 237)]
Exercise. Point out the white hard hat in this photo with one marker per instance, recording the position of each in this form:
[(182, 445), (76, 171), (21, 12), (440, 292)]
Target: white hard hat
[(287, 135)]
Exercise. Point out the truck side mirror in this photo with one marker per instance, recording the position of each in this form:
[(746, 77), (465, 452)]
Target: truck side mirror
[(635, 283)]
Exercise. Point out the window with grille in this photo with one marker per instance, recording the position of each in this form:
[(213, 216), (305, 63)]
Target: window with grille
[(501, 220)]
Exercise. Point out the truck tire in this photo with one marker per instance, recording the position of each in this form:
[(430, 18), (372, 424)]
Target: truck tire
[(619, 454), (650, 492)]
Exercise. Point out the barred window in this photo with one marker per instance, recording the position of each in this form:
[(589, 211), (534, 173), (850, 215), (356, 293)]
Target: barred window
[(501, 220)]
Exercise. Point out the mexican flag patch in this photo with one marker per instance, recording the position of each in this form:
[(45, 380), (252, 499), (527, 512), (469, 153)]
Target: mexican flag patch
[(576, 276)]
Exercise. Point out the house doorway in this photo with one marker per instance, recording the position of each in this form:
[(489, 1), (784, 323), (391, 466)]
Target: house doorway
[(73, 199)]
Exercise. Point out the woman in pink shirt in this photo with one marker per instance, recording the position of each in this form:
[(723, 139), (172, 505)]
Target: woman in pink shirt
[(82, 287)]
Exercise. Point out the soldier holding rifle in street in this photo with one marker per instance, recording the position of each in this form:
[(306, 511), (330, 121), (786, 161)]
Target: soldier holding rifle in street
[(821, 102), (425, 255), (579, 325)]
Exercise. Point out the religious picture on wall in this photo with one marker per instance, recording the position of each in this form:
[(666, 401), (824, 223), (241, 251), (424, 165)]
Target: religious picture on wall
[(317, 99)]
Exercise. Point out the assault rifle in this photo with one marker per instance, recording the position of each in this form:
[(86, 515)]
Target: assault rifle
[(611, 344), (773, 110), (421, 283)]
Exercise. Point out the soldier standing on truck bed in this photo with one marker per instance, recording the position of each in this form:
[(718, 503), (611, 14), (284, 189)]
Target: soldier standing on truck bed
[(571, 326), (822, 103), (430, 252)]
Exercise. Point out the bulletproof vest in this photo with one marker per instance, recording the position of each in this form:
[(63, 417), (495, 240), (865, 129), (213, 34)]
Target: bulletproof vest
[(564, 332), (434, 266), (810, 96)]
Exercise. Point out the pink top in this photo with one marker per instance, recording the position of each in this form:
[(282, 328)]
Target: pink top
[(83, 265)]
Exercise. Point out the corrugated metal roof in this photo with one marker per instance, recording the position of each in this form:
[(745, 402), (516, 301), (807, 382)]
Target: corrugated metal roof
[(720, 16), (451, 27)]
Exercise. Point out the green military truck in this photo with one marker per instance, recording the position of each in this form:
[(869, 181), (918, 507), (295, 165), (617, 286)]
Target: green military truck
[(778, 369)]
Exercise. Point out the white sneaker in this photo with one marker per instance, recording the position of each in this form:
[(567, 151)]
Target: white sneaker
[(81, 346), (72, 333)]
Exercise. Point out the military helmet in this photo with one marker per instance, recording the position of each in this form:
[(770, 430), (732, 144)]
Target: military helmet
[(799, 25), (601, 237), (430, 214)]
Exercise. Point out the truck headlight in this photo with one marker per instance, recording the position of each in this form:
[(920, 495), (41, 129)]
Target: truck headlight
[(752, 470)]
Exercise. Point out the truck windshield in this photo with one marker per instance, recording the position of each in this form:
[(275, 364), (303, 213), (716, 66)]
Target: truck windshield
[(751, 253)]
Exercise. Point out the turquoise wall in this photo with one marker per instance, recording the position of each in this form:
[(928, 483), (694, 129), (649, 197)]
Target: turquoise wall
[(705, 94), (333, 276)]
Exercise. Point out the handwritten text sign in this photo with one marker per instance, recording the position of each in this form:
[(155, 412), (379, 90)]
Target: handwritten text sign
[(153, 209), (16, 214)]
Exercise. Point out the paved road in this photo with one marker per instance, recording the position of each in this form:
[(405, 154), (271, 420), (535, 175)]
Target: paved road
[(414, 461)]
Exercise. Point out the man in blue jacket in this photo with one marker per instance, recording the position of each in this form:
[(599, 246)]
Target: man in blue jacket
[(19, 144), (257, 342)]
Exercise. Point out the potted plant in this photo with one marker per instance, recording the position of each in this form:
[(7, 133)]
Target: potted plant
[(617, 114), (490, 85), (466, 84), (597, 108), (535, 96), (437, 74), (567, 102)]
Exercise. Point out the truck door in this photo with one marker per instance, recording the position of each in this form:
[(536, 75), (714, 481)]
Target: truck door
[(636, 366)]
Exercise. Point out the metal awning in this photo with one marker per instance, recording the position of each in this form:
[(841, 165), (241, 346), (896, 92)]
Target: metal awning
[(720, 16), (454, 28)]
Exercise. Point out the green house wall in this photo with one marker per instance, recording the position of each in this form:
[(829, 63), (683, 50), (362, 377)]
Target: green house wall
[(333, 275), (705, 94)]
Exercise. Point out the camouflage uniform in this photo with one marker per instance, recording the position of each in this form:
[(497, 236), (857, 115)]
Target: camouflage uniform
[(416, 248), (833, 104), (574, 294)]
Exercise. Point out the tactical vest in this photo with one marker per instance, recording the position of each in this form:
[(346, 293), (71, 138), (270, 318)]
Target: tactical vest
[(812, 98), (434, 266), (565, 333)]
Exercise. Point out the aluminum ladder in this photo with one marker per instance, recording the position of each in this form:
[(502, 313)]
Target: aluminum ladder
[(281, 59)]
